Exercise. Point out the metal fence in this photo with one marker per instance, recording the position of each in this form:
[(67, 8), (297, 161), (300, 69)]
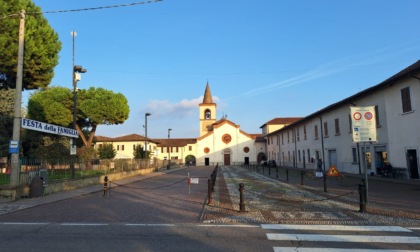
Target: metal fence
[(53, 170)]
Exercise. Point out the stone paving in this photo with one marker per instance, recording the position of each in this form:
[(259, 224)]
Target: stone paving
[(272, 201)]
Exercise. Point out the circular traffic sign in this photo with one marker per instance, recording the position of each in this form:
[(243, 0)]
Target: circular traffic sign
[(357, 116), (368, 115)]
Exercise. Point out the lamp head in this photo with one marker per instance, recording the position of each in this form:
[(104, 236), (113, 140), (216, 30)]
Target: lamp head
[(79, 69)]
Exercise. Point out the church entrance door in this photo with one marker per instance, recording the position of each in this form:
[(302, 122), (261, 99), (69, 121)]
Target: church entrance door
[(227, 159)]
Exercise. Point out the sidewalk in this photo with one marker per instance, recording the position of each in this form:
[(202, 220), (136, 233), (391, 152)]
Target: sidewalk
[(8, 205), (269, 200)]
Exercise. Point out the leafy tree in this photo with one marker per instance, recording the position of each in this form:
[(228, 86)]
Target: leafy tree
[(6, 119), (41, 45), (86, 154), (95, 106), (107, 151), (138, 152), (51, 147), (189, 158)]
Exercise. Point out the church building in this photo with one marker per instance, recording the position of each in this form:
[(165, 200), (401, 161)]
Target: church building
[(222, 141)]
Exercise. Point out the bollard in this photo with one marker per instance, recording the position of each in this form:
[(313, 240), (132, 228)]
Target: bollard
[(301, 177), (324, 176), (277, 172), (105, 184), (241, 198), (209, 195), (287, 174), (213, 181), (362, 196)]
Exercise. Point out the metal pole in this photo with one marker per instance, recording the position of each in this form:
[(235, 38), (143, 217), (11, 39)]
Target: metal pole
[(322, 145), (14, 176), (145, 132), (169, 149), (72, 168), (366, 175)]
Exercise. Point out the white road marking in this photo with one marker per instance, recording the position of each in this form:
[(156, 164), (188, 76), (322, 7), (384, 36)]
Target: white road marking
[(151, 225), (24, 223), (344, 238), (295, 249), (215, 225), (336, 228), (84, 224)]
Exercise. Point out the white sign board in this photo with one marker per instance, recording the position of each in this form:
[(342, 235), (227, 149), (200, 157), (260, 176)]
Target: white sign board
[(194, 180), (363, 124), (48, 128)]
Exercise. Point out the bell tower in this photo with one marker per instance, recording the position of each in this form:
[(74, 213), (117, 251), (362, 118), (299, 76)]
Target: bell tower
[(207, 112)]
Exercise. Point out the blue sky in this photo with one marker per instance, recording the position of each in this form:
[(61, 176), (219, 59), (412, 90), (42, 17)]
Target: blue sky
[(263, 59)]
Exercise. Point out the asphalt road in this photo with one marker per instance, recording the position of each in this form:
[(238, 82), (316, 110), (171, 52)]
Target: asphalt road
[(163, 214), (162, 199)]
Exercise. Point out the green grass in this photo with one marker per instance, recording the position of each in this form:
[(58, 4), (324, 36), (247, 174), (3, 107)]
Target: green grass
[(4, 179)]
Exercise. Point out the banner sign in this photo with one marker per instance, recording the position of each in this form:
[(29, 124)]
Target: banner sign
[(363, 121), (48, 128)]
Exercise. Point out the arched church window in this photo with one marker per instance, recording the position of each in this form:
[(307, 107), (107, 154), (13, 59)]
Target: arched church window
[(207, 114)]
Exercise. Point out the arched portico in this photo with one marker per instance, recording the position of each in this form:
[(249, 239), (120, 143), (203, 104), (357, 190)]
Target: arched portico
[(260, 157)]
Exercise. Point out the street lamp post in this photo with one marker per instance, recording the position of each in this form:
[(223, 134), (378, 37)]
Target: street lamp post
[(169, 149), (76, 70), (145, 133)]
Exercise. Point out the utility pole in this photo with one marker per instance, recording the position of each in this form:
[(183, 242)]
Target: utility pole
[(15, 172)]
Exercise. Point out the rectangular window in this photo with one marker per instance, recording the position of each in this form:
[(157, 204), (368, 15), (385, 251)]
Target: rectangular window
[(167, 149), (297, 134), (190, 148), (325, 129), (177, 149), (288, 155), (350, 124), (377, 116), (316, 131), (309, 156), (299, 155), (282, 138), (304, 132), (337, 127), (118, 147), (354, 155), (134, 147), (406, 100), (288, 137), (122, 147)]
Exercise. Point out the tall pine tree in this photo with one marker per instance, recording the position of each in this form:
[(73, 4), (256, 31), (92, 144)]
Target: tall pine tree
[(41, 45)]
